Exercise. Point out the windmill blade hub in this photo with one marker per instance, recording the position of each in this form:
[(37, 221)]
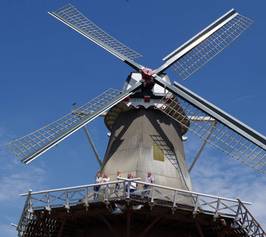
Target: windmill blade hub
[(147, 77)]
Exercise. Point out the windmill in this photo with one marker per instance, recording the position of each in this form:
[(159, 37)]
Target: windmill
[(149, 117)]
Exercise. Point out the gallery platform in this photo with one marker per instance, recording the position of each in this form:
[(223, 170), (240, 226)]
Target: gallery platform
[(115, 210)]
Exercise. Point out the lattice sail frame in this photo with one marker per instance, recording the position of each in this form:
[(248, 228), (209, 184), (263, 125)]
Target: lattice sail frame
[(195, 53), (222, 137), (73, 18), (25, 147), (209, 48), (34, 144)]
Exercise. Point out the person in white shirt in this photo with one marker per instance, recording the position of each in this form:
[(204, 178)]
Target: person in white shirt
[(118, 175), (149, 180), (105, 178), (131, 186), (98, 180)]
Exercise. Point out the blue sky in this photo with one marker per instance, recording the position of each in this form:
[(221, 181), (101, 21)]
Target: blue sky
[(45, 67)]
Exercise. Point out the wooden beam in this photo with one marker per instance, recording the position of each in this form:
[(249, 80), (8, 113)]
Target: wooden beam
[(128, 225), (199, 229), (144, 233), (109, 226), (61, 230)]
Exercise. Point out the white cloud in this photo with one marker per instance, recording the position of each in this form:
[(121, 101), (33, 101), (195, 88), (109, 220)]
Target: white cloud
[(14, 177), (16, 183), (213, 174), (14, 180), (228, 178), (11, 185), (7, 230)]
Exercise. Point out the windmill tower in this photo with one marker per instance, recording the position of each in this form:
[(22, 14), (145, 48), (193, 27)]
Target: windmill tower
[(144, 139), (147, 121)]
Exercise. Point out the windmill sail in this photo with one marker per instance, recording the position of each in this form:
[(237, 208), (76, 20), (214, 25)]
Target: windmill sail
[(229, 135), (34, 144), (196, 52), (73, 18)]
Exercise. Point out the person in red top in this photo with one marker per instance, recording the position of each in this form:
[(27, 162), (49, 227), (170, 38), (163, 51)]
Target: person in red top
[(149, 180)]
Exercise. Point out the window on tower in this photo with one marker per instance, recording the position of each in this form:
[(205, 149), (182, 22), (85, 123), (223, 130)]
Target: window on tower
[(158, 153)]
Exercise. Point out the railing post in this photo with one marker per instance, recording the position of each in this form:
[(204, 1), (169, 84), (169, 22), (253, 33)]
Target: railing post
[(238, 210), (26, 215), (217, 209), (174, 201), (128, 189), (48, 207), (86, 199), (67, 206), (195, 211), (245, 216), (30, 207), (152, 194), (124, 189), (106, 192)]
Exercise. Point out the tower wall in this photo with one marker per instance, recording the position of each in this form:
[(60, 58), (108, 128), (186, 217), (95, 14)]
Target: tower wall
[(138, 136)]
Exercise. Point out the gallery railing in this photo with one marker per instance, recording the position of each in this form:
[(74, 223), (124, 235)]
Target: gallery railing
[(141, 192)]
